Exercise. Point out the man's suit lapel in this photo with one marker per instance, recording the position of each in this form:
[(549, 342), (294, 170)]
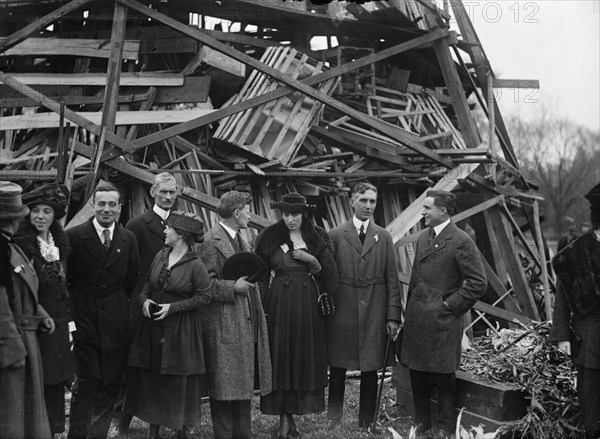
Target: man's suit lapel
[(92, 241), (440, 241), (352, 237), (369, 238), (154, 223), (222, 241)]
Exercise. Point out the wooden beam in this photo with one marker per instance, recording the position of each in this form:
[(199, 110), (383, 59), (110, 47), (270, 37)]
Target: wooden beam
[(477, 209), (190, 194), (39, 24), (72, 46), (515, 83), (194, 89), (146, 79), (503, 314), (51, 120), (513, 263), (381, 126)]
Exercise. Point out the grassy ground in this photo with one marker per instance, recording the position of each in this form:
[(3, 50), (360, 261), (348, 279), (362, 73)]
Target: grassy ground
[(310, 426)]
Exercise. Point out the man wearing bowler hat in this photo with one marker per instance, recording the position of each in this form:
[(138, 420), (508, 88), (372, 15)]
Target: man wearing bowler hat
[(103, 270), (576, 323), (235, 333), (22, 406)]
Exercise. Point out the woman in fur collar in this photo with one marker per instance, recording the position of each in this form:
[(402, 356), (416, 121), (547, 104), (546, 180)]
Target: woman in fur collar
[(44, 241), (296, 251)]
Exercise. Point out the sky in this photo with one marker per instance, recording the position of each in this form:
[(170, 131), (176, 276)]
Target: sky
[(554, 41)]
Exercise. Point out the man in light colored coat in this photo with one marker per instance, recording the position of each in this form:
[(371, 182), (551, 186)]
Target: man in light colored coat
[(367, 305), (235, 333), (447, 279)]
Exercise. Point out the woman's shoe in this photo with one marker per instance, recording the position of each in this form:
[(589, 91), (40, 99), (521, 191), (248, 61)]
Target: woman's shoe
[(153, 431), (183, 433), (293, 432)]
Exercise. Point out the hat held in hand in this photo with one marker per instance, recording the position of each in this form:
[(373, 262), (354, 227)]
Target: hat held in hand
[(244, 264)]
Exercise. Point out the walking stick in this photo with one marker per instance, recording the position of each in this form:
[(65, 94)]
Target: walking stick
[(380, 388)]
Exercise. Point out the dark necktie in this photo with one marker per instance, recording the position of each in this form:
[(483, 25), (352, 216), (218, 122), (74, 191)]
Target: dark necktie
[(106, 233), (238, 239), (361, 234), (431, 236)]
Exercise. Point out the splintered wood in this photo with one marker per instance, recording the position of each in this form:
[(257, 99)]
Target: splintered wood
[(277, 129)]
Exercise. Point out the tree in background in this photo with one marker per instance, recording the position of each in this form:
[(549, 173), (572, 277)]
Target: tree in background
[(563, 157)]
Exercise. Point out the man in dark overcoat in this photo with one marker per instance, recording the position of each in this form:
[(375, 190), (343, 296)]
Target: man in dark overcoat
[(235, 333), (367, 305), (103, 269), (22, 407), (448, 277), (149, 231), (576, 322)]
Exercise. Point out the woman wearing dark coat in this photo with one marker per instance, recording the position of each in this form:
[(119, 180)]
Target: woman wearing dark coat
[(44, 241), (167, 351), (295, 250)]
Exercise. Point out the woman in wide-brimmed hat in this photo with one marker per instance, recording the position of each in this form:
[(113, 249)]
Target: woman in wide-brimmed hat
[(167, 354), (22, 408), (44, 241), (295, 250)]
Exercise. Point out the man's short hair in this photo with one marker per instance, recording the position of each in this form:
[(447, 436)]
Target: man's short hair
[(232, 200), (443, 199), (163, 177), (362, 187), (106, 187)]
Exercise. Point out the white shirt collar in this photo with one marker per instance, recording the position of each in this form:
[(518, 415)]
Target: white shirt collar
[(357, 223), (438, 229), (229, 230), (100, 230), (162, 213)]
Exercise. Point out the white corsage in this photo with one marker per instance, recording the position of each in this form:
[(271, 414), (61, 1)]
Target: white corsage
[(376, 237), (19, 268), (285, 247), (48, 250)]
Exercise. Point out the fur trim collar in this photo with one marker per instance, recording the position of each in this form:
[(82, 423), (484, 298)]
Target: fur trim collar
[(27, 234)]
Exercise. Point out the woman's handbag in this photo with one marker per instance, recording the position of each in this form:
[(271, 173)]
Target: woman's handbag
[(325, 305)]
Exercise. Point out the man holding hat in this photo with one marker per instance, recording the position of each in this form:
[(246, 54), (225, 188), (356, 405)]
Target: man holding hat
[(104, 266), (235, 333), (576, 323), (22, 406)]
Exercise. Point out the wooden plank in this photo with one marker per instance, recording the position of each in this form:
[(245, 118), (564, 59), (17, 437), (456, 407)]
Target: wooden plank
[(194, 89), (51, 120), (503, 314), (72, 46), (146, 79), (477, 209), (515, 83), (376, 124), (221, 61), (41, 23)]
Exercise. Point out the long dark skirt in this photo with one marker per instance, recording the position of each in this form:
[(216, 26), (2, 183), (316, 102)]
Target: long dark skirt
[(169, 400)]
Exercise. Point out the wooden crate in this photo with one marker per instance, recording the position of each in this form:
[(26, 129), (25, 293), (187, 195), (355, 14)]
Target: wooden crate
[(491, 404), (276, 129)]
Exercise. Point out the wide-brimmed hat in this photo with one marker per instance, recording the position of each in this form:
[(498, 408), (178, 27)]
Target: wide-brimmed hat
[(244, 264), (186, 222), (11, 204), (55, 195), (293, 203), (593, 196)]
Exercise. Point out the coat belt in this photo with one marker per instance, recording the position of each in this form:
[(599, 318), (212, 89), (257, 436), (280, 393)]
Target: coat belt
[(27, 322), (362, 282)]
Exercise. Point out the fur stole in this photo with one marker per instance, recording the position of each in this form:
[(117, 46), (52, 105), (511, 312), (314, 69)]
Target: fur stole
[(578, 269), (318, 244), (26, 239)]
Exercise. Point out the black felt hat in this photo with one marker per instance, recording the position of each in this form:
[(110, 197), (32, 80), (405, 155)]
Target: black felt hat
[(54, 194), (244, 264), (593, 196), (293, 203)]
